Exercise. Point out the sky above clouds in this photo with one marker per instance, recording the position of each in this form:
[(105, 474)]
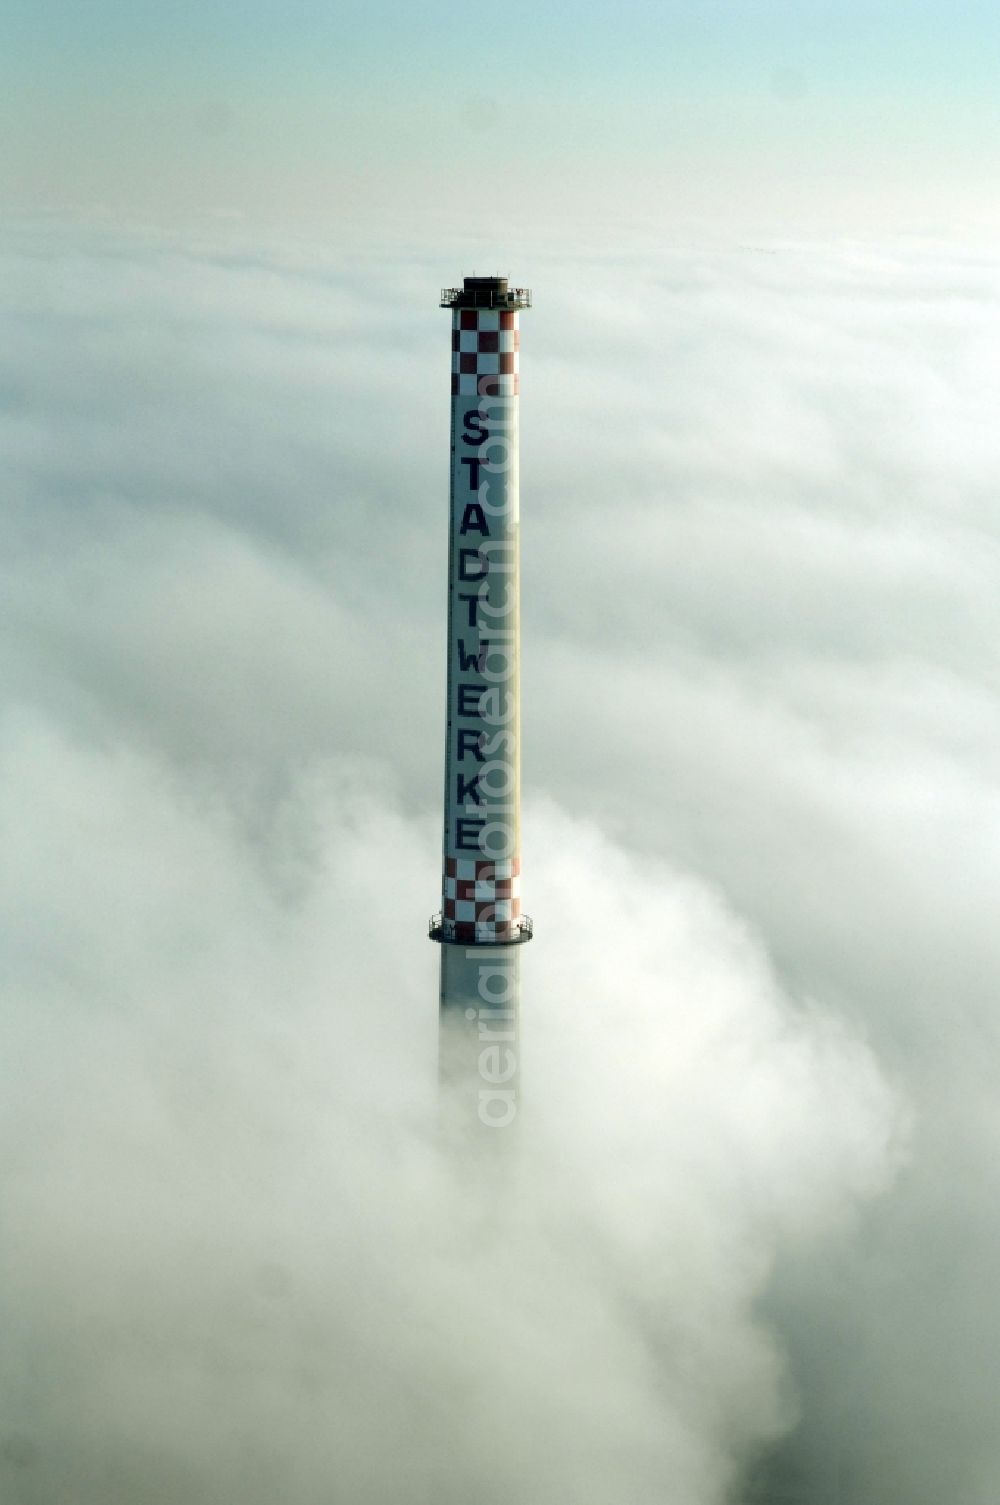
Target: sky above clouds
[(596, 121), (750, 1255)]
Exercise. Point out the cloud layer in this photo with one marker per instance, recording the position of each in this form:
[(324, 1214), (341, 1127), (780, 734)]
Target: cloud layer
[(759, 576)]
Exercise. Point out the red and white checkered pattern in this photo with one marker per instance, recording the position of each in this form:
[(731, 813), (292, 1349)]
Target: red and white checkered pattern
[(481, 900), (484, 353)]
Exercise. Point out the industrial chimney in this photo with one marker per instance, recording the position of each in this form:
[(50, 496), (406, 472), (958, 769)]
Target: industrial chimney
[(481, 927)]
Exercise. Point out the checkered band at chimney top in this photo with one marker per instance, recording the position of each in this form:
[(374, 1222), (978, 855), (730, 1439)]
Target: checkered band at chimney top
[(481, 887)]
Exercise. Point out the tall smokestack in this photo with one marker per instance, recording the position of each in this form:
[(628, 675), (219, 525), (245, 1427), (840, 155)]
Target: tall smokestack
[(480, 926)]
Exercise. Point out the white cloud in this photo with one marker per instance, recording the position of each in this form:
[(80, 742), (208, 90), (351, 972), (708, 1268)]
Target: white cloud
[(234, 1261), (759, 577)]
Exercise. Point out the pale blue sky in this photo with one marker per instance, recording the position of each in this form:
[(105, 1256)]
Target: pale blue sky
[(271, 109), (891, 44)]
